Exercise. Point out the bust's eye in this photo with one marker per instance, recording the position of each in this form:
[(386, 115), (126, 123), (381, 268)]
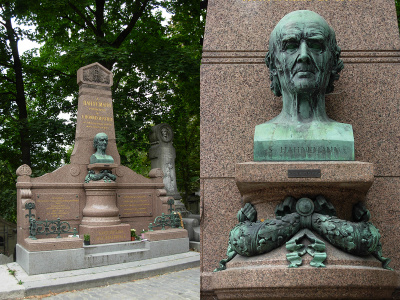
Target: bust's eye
[(315, 45), (290, 45)]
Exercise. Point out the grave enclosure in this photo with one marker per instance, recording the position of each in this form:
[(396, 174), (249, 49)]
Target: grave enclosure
[(236, 96), (105, 210)]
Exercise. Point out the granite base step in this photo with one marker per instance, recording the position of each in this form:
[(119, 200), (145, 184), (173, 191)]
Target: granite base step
[(122, 246), (91, 256), (115, 257), (93, 277), (194, 246)]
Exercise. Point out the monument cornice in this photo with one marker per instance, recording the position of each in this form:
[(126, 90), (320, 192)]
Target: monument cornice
[(45, 185), (257, 56)]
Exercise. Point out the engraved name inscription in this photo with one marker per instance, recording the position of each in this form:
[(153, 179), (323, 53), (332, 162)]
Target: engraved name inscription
[(135, 204), (302, 173), (53, 206)]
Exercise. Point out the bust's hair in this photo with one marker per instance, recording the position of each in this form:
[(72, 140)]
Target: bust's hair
[(96, 139), (275, 45)]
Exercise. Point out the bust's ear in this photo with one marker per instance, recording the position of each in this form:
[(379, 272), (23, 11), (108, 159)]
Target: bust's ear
[(273, 75), (267, 60), (271, 63)]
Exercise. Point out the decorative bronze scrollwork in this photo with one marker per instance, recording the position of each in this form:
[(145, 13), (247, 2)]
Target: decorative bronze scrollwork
[(297, 219)]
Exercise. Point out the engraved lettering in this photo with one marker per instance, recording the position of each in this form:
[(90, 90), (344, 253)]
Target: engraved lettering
[(298, 173)]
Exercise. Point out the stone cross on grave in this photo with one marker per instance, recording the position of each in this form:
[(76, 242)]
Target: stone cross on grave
[(95, 113)]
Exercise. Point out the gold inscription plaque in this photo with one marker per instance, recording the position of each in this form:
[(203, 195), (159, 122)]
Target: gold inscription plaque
[(135, 204), (53, 206), (109, 235), (99, 114)]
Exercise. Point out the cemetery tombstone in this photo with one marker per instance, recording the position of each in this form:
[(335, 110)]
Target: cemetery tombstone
[(162, 154), (94, 194)]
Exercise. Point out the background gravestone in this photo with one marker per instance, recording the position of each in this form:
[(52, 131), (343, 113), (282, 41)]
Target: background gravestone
[(235, 97), (162, 154)]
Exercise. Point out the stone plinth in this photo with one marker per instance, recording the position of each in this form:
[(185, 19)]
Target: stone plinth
[(39, 262), (265, 184), (268, 277), (106, 233), (168, 234), (50, 244), (101, 214), (277, 282)]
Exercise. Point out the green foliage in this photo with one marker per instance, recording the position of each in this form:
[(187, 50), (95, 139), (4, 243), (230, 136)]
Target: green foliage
[(156, 79), (86, 237)]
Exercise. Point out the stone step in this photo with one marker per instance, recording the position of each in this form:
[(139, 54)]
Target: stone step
[(88, 278), (102, 248), (115, 257), (194, 246)]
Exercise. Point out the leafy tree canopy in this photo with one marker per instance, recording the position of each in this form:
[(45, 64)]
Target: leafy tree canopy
[(156, 79)]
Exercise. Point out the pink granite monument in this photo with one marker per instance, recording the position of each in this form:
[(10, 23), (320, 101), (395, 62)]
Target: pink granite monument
[(107, 208), (235, 97)]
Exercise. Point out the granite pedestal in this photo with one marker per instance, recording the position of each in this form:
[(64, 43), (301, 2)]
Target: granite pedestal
[(268, 276)]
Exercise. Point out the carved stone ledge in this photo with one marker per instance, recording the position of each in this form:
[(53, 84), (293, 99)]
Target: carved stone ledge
[(267, 183), (275, 282)]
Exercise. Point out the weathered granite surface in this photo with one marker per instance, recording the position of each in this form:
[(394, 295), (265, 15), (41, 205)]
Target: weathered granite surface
[(235, 97)]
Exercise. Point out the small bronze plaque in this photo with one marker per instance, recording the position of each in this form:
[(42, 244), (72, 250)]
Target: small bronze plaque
[(301, 173)]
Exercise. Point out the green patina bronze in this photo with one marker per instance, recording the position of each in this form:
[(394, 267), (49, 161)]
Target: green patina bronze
[(173, 219), (296, 220), (46, 227), (303, 60), (316, 249), (100, 143), (106, 175)]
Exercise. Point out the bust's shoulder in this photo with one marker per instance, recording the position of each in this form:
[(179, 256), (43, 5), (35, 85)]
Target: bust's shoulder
[(93, 158)]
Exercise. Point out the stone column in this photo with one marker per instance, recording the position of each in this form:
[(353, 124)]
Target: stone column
[(101, 203)]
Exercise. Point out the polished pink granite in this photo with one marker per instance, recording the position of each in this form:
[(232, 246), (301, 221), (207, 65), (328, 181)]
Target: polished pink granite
[(167, 234), (50, 244), (235, 97)]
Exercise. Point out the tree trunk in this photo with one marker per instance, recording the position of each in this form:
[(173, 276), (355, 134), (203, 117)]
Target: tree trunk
[(25, 144)]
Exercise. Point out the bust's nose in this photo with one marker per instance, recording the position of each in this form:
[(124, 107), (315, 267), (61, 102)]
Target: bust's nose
[(304, 55)]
